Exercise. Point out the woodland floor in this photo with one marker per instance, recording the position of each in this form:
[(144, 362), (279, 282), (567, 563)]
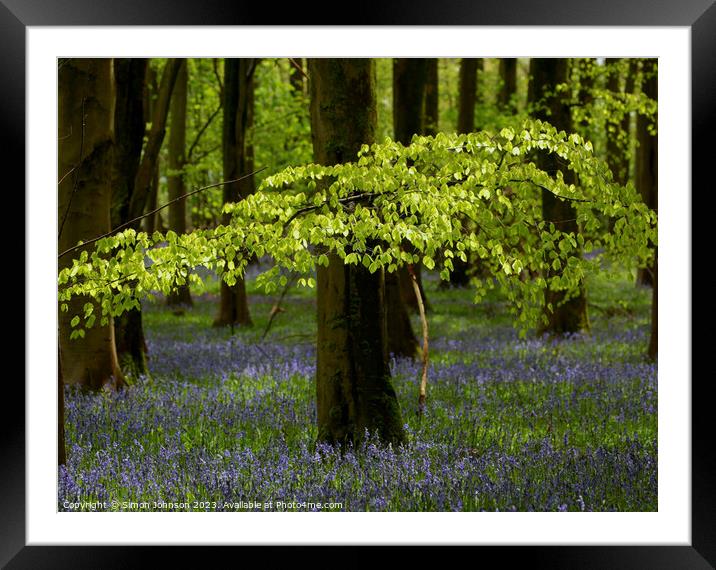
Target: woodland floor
[(511, 423)]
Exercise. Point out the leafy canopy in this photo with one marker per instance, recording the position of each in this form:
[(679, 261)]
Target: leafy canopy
[(435, 200)]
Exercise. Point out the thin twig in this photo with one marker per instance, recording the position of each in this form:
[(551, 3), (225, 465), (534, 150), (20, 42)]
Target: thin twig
[(138, 218), (66, 175), (202, 131), (421, 308), (277, 307)]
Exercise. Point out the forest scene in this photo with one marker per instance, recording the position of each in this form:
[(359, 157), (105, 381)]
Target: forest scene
[(295, 284)]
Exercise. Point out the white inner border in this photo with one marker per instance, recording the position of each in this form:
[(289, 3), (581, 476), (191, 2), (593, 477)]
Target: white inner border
[(670, 525)]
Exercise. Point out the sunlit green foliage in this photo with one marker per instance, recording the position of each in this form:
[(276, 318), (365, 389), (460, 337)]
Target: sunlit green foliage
[(368, 211)]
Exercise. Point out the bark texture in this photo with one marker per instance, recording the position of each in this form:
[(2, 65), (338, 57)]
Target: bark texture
[(353, 387), (86, 123)]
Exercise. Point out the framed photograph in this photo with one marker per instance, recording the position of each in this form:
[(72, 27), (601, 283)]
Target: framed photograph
[(39, 34)]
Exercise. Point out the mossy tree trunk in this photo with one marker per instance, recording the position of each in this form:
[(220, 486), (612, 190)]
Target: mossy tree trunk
[(647, 181), (129, 125), (181, 296), (353, 385), (233, 305), (569, 312), (86, 124), (508, 89)]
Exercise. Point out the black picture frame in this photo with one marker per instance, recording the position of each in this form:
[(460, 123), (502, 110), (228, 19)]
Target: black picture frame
[(698, 15)]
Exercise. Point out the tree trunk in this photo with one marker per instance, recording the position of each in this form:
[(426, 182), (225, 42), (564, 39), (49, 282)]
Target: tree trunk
[(150, 222), (585, 78), (654, 338), (181, 296), (233, 306), (508, 89), (353, 387), (467, 94), (618, 136), (155, 137), (61, 448), (431, 115), (459, 276), (86, 123), (129, 120), (568, 315), (647, 182), (409, 84), (401, 338)]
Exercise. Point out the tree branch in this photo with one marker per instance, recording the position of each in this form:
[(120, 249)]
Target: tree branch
[(130, 222), (202, 131)]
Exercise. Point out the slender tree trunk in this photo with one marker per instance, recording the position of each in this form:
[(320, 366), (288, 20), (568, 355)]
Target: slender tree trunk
[(409, 84), (585, 77), (431, 115), (233, 305), (654, 337), (467, 94), (618, 135), (61, 448), (401, 338), (130, 340), (353, 387), (86, 124), (181, 296), (647, 181), (155, 137), (129, 120), (508, 73), (568, 315), (459, 277), (150, 222)]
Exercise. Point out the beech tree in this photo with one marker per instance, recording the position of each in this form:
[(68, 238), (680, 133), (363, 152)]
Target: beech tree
[(129, 330), (566, 310), (364, 209), (233, 306), (85, 138), (647, 154), (181, 296), (129, 126)]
